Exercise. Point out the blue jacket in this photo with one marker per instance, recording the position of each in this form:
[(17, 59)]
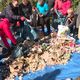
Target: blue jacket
[(42, 9)]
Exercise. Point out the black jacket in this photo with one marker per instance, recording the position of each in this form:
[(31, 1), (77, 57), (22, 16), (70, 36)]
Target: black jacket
[(25, 10), (12, 13)]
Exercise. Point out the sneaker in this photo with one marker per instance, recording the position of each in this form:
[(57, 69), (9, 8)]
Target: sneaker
[(7, 52)]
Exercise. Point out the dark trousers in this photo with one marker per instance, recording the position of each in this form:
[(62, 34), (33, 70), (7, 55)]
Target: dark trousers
[(45, 20)]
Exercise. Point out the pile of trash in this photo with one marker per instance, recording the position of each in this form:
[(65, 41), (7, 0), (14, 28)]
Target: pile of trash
[(50, 50)]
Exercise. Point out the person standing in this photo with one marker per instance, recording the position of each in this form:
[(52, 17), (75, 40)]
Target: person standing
[(43, 9), (78, 20)]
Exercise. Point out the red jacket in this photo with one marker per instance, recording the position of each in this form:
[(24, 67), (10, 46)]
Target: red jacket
[(62, 6), (6, 32)]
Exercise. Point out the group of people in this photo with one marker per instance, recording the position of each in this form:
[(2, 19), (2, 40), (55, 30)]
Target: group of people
[(14, 15)]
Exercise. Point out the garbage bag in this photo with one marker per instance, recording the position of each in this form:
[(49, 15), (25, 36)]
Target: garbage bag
[(20, 50), (30, 31)]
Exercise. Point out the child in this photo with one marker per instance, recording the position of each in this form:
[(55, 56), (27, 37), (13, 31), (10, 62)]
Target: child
[(43, 9), (71, 21)]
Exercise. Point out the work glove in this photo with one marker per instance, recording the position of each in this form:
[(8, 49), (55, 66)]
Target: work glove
[(22, 18), (18, 24)]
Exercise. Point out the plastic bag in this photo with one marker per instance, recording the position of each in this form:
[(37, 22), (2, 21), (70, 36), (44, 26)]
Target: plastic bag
[(17, 52), (32, 34), (63, 30)]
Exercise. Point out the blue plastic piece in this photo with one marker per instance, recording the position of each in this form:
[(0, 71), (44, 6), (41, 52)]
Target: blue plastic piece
[(58, 72)]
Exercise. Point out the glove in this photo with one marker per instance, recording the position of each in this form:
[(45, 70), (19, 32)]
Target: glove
[(22, 18), (18, 24)]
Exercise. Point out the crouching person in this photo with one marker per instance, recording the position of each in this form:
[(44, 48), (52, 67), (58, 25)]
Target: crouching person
[(12, 12), (5, 33)]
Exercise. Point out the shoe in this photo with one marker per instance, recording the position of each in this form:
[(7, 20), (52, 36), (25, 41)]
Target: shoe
[(36, 40), (7, 53)]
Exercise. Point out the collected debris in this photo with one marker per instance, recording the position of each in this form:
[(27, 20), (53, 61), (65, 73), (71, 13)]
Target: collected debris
[(50, 50)]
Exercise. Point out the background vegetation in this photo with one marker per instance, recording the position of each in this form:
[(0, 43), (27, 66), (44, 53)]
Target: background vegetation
[(3, 3)]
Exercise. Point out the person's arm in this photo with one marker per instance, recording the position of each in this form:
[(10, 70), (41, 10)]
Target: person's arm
[(37, 8), (66, 7), (30, 8), (2, 16), (55, 4), (20, 10), (46, 9)]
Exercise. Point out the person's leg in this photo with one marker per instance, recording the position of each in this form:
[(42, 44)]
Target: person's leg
[(34, 19), (74, 31), (47, 21), (41, 19), (54, 22), (71, 29), (8, 33)]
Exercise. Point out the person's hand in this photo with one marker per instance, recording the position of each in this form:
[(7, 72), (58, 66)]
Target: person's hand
[(40, 15), (51, 9), (18, 24), (28, 20), (22, 18), (33, 9)]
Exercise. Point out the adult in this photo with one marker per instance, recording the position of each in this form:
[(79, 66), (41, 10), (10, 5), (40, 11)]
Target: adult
[(78, 20), (62, 6)]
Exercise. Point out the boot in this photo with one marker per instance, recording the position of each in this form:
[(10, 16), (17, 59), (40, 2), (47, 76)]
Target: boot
[(7, 53)]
